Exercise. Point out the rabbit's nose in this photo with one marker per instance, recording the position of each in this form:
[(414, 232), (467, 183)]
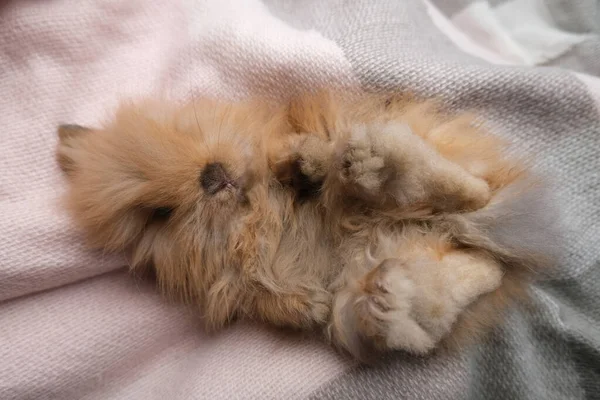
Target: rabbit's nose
[(214, 178)]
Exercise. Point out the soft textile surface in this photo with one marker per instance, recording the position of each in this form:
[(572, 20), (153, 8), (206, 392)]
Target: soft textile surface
[(73, 325)]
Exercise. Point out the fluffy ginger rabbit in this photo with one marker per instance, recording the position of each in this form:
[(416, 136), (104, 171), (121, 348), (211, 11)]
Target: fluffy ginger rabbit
[(382, 222)]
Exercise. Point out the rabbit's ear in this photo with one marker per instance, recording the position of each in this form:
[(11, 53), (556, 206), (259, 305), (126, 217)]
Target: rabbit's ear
[(69, 131), (69, 136)]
